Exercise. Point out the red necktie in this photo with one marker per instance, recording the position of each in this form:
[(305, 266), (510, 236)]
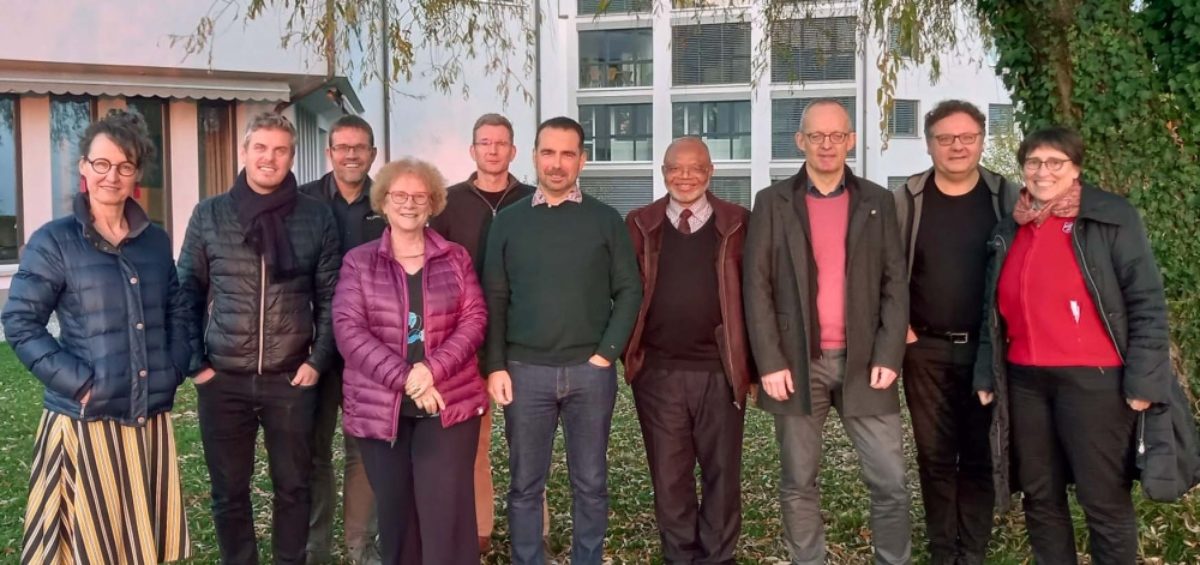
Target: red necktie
[(685, 227)]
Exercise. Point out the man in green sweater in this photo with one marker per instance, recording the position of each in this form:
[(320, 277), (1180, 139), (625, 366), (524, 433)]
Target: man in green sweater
[(563, 292)]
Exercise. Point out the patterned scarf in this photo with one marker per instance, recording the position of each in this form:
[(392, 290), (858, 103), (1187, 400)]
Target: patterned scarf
[(1065, 205)]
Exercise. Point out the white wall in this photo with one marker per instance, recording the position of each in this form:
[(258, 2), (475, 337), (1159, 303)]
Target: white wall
[(436, 126), (138, 33), (966, 76)]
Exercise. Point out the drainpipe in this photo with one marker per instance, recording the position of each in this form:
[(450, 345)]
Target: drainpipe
[(863, 109), (387, 87), (537, 54), (330, 41)]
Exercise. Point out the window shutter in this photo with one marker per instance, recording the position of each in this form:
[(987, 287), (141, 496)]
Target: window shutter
[(813, 49), (622, 193), (1000, 119), (710, 54), (731, 189), (903, 122), (614, 6)]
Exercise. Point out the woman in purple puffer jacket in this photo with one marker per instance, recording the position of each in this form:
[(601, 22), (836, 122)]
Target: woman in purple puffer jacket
[(409, 316)]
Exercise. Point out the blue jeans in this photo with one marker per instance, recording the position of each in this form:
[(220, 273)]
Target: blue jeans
[(583, 396)]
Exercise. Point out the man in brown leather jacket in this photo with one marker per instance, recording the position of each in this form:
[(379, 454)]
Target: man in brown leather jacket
[(688, 359)]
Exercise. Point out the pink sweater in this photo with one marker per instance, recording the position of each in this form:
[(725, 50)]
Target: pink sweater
[(829, 220)]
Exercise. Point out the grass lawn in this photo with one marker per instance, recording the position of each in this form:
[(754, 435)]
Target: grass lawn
[(1170, 533)]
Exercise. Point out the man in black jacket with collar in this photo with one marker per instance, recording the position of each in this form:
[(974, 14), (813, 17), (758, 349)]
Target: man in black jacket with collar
[(826, 312), (470, 207), (257, 272), (347, 191)]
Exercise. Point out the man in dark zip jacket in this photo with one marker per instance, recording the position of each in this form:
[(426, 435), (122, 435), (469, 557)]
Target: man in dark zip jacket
[(946, 215), (346, 190), (470, 207), (258, 269)]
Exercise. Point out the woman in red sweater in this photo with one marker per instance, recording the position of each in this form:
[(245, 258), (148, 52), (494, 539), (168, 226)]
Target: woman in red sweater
[(1075, 344)]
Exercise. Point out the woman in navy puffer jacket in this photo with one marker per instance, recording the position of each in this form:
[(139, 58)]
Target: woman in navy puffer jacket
[(105, 479), (409, 316)]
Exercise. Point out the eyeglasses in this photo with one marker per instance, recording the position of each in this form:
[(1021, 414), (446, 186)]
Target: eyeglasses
[(399, 198), (947, 139), (342, 149), (688, 171), (817, 138), (1052, 165), (102, 166), (488, 144)]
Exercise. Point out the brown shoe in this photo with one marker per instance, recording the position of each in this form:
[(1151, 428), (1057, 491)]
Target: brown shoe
[(485, 545)]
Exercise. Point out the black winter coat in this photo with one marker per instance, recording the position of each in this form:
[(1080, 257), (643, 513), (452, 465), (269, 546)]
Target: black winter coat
[(122, 318), (1114, 256), (242, 321)]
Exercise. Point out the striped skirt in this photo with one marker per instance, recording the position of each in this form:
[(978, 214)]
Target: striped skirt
[(104, 493)]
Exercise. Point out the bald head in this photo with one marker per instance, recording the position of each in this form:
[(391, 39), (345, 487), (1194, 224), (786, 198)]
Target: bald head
[(686, 144), (687, 167), (826, 108)]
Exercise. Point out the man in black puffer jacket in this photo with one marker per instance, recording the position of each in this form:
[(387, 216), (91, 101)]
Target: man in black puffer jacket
[(258, 269)]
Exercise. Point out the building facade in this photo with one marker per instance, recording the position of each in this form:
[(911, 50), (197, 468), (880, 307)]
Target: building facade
[(643, 72)]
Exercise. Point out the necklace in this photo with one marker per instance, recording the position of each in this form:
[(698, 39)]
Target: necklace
[(421, 254)]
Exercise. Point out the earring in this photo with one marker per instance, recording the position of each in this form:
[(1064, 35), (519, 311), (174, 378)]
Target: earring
[(137, 191), (82, 183)]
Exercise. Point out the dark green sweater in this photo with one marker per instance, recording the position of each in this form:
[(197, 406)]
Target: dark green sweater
[(562, 284)]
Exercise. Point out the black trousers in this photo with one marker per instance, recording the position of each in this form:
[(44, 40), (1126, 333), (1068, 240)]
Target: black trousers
[(688, 418), (1074, 422), (232, 407), (424, 487), (953, 459)]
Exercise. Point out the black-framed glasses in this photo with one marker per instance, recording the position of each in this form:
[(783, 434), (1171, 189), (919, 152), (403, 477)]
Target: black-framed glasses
[(102, 166), (947, 139), (399, 198), (1053, 165), (343, 149), (817, 138)]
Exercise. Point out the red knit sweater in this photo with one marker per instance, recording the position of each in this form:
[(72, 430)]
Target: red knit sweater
[(829, 220), (1051, 317)]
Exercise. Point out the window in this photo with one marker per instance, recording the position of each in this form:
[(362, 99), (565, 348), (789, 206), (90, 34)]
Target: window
[(903, 121), (622, 193), (309, 163), (616, 58), (69, 117), (710, 54), (724, 126), (154, 198), (218, 147), (731, 189), (894, 42), (814, 49), (1000, 119), (617, 132), (614, 6), (896, 183), (785, 122), (10, 181)]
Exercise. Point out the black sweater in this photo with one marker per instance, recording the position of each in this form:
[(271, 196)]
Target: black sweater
[(468, 216)]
